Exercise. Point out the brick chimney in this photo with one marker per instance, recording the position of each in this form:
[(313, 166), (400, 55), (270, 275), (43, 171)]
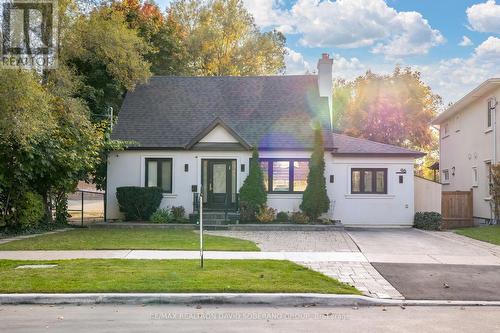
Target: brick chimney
[(325, 80)]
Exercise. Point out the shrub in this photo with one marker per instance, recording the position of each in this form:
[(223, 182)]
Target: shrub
[(428, 220), (299, 218), (178, 213), (325, 221), (315, 200), (266, 214), (138, 203), (31, 211), (161, 215), (282, 217), (252, 193)]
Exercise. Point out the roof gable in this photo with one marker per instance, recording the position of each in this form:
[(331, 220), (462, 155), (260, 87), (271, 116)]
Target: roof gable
[(218, 132), (478, 92)]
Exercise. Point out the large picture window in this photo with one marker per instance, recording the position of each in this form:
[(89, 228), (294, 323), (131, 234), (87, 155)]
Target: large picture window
[(285, 175), (368, 181), (159, 173)]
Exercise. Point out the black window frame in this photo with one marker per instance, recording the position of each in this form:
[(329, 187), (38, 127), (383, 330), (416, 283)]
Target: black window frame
[(290, 173), (159, 165), (373, 171)]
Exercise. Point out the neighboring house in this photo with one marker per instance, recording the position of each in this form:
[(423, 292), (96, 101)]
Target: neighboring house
[(197, 133), (469, 145)]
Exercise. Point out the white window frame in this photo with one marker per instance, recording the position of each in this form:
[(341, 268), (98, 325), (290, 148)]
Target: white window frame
[(446, 180), (475, 177), (488, 176), (489, 116)]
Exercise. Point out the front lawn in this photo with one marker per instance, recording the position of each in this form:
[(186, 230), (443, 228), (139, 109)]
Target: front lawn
[(125, 239), (490, 234), (120, 275)]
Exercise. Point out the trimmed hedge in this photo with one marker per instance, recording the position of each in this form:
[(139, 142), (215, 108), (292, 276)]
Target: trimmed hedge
[(138, 203), (428, 220), (282, 217)]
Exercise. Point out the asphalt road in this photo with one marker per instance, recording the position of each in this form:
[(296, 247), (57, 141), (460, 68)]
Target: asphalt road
[(211, 318), (443, 282)]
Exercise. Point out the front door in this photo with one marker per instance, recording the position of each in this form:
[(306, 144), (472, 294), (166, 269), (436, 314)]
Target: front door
[(218, 177)]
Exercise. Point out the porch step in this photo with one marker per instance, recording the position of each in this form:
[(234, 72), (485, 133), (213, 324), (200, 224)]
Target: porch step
[(219, 218)]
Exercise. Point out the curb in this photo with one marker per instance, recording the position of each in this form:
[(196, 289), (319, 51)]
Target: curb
[(297, 299)]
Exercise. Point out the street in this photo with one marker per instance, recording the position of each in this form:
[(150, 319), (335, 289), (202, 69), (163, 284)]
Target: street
[(225, 318)]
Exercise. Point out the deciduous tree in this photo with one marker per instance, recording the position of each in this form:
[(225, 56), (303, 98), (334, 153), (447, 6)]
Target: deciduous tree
[(222, 39)]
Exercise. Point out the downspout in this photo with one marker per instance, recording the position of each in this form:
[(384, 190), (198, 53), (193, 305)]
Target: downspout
[(492, 104)]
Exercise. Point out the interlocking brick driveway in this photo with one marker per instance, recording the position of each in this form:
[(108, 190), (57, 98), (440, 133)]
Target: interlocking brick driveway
[(295, 241)]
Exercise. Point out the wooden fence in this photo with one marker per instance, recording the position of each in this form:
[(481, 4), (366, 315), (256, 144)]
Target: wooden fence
[(456, 209)]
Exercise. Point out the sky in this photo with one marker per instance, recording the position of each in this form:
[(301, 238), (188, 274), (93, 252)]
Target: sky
[(455, 44)]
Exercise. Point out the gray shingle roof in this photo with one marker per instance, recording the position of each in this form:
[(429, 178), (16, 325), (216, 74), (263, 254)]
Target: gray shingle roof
[(268, 111), (272, 112), (347, 145)]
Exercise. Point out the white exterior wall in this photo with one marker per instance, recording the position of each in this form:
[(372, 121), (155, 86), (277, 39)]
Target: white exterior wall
[(427, 195), (396, 208), (127, 168), (469, 144)]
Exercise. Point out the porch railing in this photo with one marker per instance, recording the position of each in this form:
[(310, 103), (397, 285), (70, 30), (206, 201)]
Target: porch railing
[(228, 205)]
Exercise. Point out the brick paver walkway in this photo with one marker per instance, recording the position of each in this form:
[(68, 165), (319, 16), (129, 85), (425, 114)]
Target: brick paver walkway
[(362, 275), (295, 241)]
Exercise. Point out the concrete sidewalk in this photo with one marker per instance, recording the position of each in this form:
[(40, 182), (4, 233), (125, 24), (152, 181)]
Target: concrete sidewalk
[(461, 259), (159, 254)]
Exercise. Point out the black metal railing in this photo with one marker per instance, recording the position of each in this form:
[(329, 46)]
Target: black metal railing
[(196, 202), (229, 206)]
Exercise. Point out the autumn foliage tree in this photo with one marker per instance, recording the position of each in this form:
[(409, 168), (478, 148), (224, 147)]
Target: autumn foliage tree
[(395, 109), (222, 39)]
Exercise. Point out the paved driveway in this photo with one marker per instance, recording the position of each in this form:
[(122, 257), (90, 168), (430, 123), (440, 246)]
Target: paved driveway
[(295, 241), (416, 246), (432, 265), (443, 282)]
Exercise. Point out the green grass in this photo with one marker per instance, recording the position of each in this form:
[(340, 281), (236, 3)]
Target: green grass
[(490, 234), (124, 239), (121, 275)]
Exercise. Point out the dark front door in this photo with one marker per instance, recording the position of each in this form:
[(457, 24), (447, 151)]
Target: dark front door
[(219, 182)]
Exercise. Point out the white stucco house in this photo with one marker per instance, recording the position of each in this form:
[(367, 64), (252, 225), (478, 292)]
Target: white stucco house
[(196, 134), (470, 144)]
